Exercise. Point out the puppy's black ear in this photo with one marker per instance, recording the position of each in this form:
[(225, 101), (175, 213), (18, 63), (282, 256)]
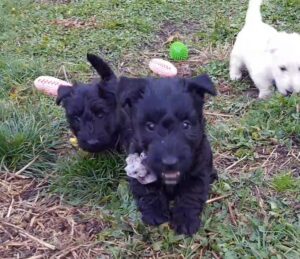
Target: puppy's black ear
[(108, 92), (130, 90), (102, 68), (201, 85), (62, 93)]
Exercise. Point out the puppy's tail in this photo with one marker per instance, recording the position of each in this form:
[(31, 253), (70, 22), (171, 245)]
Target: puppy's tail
[(102, 68), (253, 12)]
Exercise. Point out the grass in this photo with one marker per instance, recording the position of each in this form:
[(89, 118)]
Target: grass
[(27, 133), (285, 182), (89, 178), (256, 143)]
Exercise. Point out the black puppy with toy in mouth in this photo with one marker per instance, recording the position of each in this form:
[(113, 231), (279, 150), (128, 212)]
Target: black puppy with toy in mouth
[(166, 116)]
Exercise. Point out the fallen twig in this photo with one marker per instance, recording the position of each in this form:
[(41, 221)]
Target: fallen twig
[(296, 157), (201, 253), (22, 231), (9, 175), (10, 208), (231, 213), (235, 163), (266, 161), (67, 251), (26, 166), (217, 198), (65, 73), (36, 257), (215, 255), (218, 114)]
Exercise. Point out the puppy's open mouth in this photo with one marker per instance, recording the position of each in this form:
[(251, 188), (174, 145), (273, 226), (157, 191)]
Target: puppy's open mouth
[(171, 178)]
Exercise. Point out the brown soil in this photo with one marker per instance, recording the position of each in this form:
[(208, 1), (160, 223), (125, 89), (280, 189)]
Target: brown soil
[(35, 225)]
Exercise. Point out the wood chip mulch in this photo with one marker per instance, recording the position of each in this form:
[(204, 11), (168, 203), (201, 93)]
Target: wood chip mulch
[(36, 225)]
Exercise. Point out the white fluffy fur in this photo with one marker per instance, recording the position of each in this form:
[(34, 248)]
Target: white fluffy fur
[(268, 55)]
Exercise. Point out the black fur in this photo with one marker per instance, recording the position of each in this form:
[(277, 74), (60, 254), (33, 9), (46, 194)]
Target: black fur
[(168, 125), (91, 109)]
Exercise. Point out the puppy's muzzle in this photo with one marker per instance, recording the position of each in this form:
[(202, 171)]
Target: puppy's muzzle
[(169, 161)]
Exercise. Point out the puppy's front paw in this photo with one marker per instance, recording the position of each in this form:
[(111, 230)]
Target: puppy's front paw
[(235, 76), (154, 209), (154, 218), (264, 94), (186, 225)]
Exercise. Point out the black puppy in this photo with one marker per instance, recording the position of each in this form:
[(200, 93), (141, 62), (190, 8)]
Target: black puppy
[(169, 127), (91, 109)]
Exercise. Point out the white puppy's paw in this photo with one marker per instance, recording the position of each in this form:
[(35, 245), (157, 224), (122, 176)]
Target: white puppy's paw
[(265, 94), (235, 75)]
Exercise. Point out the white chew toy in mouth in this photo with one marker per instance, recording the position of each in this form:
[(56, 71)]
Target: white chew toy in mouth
[(137, 170), (49, 85), (162, 67)]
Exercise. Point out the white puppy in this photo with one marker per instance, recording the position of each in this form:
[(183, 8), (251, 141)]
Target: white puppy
[(271, 57)]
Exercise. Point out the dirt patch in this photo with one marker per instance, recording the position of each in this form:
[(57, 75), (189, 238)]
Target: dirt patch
[(34, 224), (279, 159), (75, 23), (168, 29), (272, 159)]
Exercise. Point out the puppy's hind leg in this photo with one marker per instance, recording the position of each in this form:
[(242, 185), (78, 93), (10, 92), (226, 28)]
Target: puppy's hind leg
[(236, 66)]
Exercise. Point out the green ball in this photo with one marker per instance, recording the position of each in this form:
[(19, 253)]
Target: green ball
[(179, 51)]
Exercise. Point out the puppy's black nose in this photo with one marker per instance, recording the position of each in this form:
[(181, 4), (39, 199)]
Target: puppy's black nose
[(169, 160), (92, 141)]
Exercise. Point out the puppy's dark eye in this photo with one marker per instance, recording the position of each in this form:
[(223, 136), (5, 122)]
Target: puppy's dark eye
[(186, 125), (98, 112), (283, 68), (100, 115), (150, 126)]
